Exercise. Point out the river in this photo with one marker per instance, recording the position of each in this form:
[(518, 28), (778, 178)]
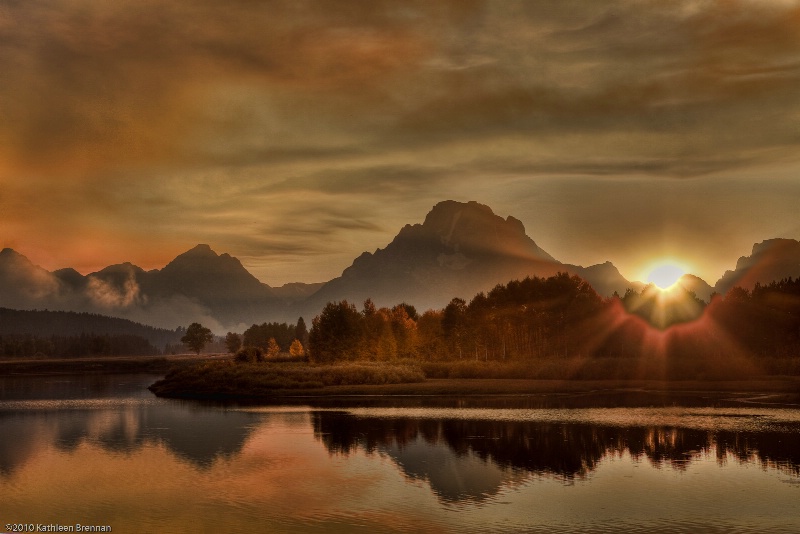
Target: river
[(101, 450)]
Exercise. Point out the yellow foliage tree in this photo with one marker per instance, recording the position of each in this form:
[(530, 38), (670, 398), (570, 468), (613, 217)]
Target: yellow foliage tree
[(296, 349), (273, 349)]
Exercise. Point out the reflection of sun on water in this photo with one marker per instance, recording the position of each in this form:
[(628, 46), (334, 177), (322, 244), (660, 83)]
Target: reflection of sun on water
[(665, 275)]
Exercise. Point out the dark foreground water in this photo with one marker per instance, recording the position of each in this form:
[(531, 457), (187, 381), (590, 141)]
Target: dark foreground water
[(101, 450)]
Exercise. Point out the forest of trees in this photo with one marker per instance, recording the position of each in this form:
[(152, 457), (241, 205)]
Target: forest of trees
[(46, 323), (562, 316), (269, 341), (28, 345), (524, 320), (62, 334), (283, 334)]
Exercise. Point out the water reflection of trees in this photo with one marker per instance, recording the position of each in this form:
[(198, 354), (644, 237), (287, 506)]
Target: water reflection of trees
[(561, 450), (195, 434)]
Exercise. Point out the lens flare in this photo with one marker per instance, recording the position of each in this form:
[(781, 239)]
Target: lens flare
[(665, 275)]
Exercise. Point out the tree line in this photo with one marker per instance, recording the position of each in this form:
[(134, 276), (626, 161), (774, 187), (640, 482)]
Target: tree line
[(563, 316), (46, 323), (257, 343), (29, 345)]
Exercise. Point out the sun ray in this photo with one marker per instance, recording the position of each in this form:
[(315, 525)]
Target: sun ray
[(665, 274)]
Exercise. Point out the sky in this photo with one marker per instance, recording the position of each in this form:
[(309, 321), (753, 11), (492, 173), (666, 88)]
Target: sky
[(296, 134)]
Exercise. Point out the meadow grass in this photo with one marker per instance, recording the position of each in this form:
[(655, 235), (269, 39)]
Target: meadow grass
[(235, 379), (606, 368), (227, 378)]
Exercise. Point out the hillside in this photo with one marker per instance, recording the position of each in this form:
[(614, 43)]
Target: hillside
[(44, 323)]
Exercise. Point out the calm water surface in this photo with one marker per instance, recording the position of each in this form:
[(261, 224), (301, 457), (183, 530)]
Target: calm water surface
[(101, 450)]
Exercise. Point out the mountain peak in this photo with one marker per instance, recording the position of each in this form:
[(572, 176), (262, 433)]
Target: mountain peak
[(471, 226), (203, 273), (772, 259), (10, 257), (445, 215), (10, 253), (201, 250), (461, 248), (694, 283)]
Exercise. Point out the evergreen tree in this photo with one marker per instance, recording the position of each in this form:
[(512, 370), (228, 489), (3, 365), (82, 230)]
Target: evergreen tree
[(336, 333), (301, 332)]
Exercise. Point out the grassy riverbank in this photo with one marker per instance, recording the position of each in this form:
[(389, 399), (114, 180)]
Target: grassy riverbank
[(98, 364), (219, 377), (283, 382), (228, 379)]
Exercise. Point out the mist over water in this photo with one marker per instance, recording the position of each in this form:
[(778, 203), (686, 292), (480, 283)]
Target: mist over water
[(102, 450)]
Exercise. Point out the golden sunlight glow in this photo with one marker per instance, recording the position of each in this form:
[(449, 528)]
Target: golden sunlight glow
[(665, 275)]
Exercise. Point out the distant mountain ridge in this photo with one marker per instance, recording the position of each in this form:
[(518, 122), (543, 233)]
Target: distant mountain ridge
[(770, 260), (460, 249), (198, 285)]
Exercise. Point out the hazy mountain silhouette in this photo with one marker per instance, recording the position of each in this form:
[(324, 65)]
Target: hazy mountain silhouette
[(460, 249), (604, 278), (218, 282), (773, 259), (198, 285), (296, 291), (697, 285), (22, 282)]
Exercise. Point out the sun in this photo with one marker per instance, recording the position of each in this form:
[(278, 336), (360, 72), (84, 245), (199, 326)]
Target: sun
[(665, 274)]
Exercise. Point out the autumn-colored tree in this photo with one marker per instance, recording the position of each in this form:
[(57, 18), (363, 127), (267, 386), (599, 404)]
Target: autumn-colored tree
[(297, 349), (272, 348), (430, 344)]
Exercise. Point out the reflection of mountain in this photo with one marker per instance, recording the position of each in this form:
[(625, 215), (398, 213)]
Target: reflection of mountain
[(15, 443), (473, 459), (454, 477), (197, 435)]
